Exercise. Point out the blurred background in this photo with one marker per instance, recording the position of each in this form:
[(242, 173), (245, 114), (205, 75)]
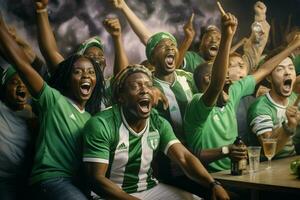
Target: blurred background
[(74, 21)]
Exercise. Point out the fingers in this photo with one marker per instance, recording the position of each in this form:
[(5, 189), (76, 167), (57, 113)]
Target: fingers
[(191, 19), (292, 111), (230, 19), (112, 24), (221, 8)]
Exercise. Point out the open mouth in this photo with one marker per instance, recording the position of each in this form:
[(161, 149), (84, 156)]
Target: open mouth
[(213, 50), (144, 105), (85, 88), (287, 85), (170, 60)]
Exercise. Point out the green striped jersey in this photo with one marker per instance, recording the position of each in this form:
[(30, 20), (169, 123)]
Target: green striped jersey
[(191, 61), (109, 139), (179, 94), (265, 115)]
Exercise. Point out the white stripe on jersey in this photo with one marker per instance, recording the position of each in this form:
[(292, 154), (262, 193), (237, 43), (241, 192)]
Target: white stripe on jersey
[(186, 87), (173, 105), (262, 124), (121, 157), (146, 158)]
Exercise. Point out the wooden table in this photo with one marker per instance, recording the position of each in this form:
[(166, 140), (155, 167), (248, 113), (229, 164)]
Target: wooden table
[(277, 178)]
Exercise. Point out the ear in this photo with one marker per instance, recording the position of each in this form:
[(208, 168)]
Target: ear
[(269, 78)]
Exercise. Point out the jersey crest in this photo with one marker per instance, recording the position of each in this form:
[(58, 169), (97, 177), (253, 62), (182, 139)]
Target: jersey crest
[(153, 139)]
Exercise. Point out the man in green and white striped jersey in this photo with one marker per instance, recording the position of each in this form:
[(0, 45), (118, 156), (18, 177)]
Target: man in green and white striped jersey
[(121, 142)]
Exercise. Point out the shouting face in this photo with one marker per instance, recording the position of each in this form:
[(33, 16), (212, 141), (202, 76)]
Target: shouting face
[(209, 45), (136, 95), (16, 93), (164, 57), (283, 78)]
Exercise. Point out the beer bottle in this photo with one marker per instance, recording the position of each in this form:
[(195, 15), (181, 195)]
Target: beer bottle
[(238, 167)]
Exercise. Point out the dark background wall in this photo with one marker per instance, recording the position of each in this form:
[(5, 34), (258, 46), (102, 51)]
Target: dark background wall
[(73, 21)]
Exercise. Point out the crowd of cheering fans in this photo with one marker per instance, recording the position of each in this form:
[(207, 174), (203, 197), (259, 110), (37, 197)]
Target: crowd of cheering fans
[(151, 130)]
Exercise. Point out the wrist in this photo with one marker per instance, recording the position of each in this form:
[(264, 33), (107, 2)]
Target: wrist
[(259, 17), (213, 184), (43, 10)]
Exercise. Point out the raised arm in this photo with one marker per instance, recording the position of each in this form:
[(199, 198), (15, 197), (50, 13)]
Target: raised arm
[(189, 33), (136, 24), (270, 64), (30, 77), (102, 185), (46, 39), (255, 44), (219, 69), (113, 27)]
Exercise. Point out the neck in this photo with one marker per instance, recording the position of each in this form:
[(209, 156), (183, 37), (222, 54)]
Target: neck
[(281, 100), (80, 105), (137, 124), (170, 78)]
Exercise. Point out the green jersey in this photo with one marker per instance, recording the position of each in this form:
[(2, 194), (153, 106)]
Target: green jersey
[(179, 94), (212, 127), (109, 139), (265, 115), (58, 144), (191, 61)]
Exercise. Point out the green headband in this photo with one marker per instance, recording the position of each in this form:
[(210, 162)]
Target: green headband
[(155, 39), (94, 41), (7, 74), (120, 78)]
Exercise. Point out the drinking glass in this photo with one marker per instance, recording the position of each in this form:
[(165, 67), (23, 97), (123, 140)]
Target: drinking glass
[(269, 146), (254, 156)]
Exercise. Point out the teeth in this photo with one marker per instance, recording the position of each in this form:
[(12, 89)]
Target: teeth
[(85, 84)]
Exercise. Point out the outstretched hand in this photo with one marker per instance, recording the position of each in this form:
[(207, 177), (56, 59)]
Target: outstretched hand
[(119, 4), (41, 4), (157, 96), (112, 26), (188, 28)]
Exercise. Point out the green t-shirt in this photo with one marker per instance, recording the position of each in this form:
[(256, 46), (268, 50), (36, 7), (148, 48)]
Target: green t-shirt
[(212, 127), (58, 148), (109, 139), (191, 61), (265, 115), (179, 94)]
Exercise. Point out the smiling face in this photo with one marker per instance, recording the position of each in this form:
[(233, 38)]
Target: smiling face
[(164, 57), (209, 45), (83, 80), (283, 78), (16, 93), (136, 95), (97, 54)]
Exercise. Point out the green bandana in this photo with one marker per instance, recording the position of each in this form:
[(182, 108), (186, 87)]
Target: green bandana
[(155, 39), (120, 78), (94, 41), (7, 74)]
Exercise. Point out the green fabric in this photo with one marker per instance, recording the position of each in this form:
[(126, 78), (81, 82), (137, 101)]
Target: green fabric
[(58, 147), (191, 61), (296, 62), (265, 115), (155, 39), (108, 139), (94, 41), (179, 94), (7, 74), (212, 127)]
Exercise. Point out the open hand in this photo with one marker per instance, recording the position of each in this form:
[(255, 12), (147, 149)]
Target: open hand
[(157, 96), (112, 26)]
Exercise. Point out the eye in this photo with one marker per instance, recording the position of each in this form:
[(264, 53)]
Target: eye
[(91, 71), (77, 71)]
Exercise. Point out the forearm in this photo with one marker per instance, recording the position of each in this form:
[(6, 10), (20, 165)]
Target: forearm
[(194, 169), (282, 138), (21, 63), (102, 185), (121, 60), (210, 155), (183, 48), (238, 45), (47, 42), (136, 24)]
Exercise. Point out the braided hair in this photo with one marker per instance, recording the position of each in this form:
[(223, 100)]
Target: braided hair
[(60, 81)]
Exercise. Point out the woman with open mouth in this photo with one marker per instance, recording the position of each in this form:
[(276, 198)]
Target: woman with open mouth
[(78, 85)]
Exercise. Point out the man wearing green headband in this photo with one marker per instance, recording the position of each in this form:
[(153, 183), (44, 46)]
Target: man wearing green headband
[(123, 140)]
